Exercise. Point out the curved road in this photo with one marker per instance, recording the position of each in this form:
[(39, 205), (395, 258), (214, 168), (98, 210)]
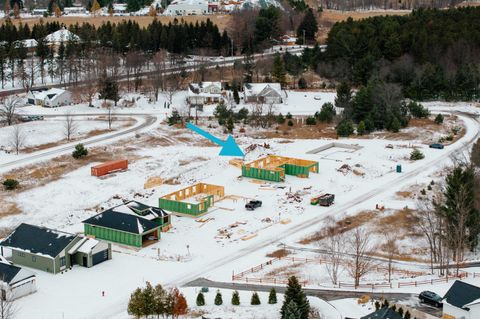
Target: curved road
[(148, 120)]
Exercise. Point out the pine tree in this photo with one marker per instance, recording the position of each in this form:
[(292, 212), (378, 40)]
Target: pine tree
[(292, 311), (400, 311), (344, 97), (80, 151), (407, 315), (230, 126), (278, 72), (308, 26), (148, 300), (236, 97), (272, 297), (135, 303), (361, 128), (235, 298), (160, 295), (255, 300), (295, 293), (200, 299), (439, 119), (108, 89), (248, 67), (218, 298)]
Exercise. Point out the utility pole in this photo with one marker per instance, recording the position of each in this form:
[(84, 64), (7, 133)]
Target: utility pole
[(303, 36)]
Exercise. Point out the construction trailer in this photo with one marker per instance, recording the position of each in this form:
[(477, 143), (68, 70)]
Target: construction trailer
[(109, 167), (274, 168), (194, 200)]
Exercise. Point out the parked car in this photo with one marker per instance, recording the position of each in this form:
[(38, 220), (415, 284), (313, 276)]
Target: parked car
[(326, 200), (253, 204), (431, 298), (438, 146), (29, 118)]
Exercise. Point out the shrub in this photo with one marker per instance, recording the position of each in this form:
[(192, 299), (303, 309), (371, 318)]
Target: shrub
[(407, 315), (255, 299), (327, 113), (302, 83), (377, 305), (235, 298), (310, 121), (361, 128), (290, 123), (429, 187), (439, 119), (449, 137), (218, 298), (289, 116), (345, 128), (272, 297), (175, 118), (417, 110), (280, 119), (200, 299), (456, 129), (400, 312), (80, 151), (423, 192), (395, 125), (10, 184), (416, 155)]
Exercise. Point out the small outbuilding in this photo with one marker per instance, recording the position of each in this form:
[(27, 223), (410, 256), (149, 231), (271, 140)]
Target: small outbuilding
[(52, 250), (125, 226), (16, 282), (54, 97)]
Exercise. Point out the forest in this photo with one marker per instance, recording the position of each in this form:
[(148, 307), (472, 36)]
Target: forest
[(429, 54)]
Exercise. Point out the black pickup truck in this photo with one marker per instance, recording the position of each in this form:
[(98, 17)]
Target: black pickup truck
[(251, 205)]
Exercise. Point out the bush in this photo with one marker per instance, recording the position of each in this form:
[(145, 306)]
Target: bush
[(423, 192), (311, 121), (280, 119), (377, 305), (80, 151), (235, 298), (218, 298), (10, 184), (395, 125), (289, 116), (439, 119), (456, 129), (272, 297), (400, 312), (416, 155), (302, 83), (175, 118), (200, 299), (255, 299), (327, 113), (361, 128), (407, 315), (290, 123), (417, 110), (345, 128)]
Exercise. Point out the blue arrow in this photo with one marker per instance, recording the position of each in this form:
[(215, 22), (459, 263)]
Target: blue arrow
[(229, 146)]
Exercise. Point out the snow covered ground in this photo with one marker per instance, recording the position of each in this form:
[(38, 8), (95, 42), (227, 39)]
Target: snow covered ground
[(193, 249)]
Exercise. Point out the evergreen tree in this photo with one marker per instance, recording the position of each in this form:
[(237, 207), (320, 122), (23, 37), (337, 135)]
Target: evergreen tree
[(278, 72), (327, 113), (235, 298), (175, 118), (439, 119), (416, 155), (361, 128), (248, 66), (308, 26), (407, 315), (133, 5), (255, 300), (475, 155), (302, 83), (200, 299), (295, 293), (292, 311), (160, 295), (230, 126), (148, 300), (80, 151), (272, 297), (236, 96), (344, 97), (108, 89), (218, 298), (135, 307), (344, 128)]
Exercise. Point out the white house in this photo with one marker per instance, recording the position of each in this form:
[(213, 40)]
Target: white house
[(49, 97), (262, 93), (62, 35), (204, 93), (15, 282), (74, 10), (462, 301), (187, 7)]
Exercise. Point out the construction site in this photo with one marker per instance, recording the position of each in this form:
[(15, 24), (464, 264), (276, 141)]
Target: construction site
[(274, 168)]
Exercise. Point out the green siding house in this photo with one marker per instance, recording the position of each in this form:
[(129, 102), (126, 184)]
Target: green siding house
[(52, 250), (126, 226)]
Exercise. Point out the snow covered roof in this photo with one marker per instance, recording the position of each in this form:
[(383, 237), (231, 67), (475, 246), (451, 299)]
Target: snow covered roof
[(27, 43), (462, 294), (50, 93), (11, 274), (129, 223), (383, 313), (189, 2), (62, 35), (38, 240), (85, 245), (257, 88)]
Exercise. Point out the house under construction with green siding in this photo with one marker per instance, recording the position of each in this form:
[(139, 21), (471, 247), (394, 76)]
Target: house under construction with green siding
[(194, 200), (274, 168)]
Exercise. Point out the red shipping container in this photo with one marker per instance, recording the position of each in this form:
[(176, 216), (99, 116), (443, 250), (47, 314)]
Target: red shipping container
[(109, 167)]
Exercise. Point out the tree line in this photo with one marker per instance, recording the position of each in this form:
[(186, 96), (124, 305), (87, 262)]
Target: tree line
[(429, 53)]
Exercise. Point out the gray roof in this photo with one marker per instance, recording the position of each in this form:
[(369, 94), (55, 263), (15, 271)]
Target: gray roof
[(123, 222), (10, 273), (461, 294), (383, 313), (38, 240)]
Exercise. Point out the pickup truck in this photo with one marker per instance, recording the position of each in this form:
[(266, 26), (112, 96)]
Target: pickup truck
[(251, 205), (326, 200)]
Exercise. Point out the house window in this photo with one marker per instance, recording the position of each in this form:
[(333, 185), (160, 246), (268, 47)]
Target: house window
[(21, 254), (62, 261), (34, 258)]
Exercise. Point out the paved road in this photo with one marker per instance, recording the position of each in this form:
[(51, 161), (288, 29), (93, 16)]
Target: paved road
[(148, 120)]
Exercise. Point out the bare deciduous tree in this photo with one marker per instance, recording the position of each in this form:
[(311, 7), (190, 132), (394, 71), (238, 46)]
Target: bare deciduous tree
[(17, 138), (7, 308), (160, 65), (110, 110), (429, 226), (391, 250), (8, 109), (70, 126), (359, 246), (172, 86), (334, 245)]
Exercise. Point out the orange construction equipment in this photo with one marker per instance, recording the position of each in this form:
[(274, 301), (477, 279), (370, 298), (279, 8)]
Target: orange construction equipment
[(109, 167)]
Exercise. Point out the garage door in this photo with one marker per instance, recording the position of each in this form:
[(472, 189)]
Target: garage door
[(100, 257)]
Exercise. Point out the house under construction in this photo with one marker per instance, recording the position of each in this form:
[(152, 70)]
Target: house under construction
[(194, 200), (273, 168)]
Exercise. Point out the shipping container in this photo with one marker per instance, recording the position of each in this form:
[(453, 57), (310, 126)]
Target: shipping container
[(109, 167)]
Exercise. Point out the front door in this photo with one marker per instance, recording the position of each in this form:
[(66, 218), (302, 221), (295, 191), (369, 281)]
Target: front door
[(85, 261)]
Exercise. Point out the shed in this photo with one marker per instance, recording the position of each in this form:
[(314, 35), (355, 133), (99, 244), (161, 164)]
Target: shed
[(16, 282), (123, 228)]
